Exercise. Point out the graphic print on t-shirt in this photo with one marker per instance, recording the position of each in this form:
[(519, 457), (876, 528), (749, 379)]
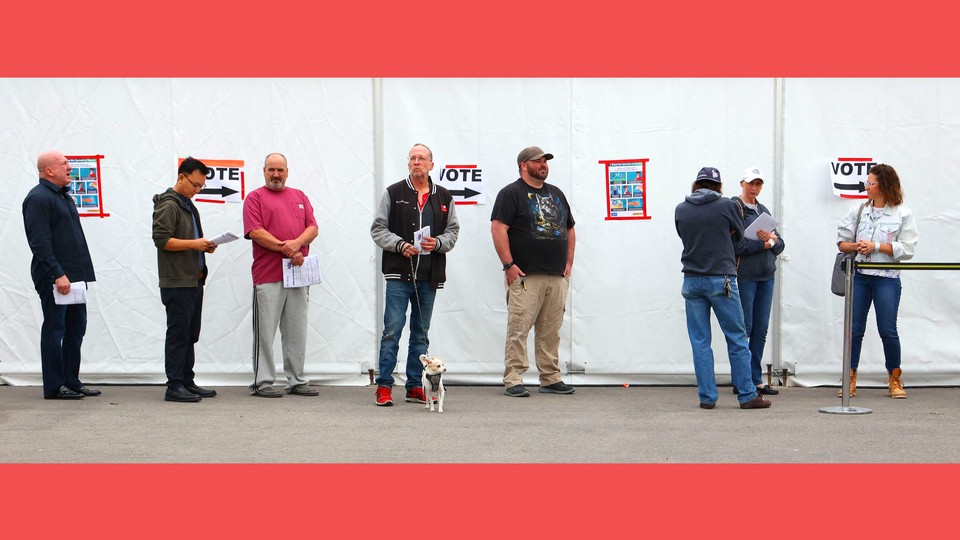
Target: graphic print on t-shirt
[(549, 219)]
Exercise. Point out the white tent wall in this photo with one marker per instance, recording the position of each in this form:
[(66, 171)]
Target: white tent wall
[(324, 127), (625, 322), (914, 125), (627, 313), (484, 122)]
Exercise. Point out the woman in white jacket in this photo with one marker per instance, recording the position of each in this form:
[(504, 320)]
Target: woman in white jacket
[(887, 233)]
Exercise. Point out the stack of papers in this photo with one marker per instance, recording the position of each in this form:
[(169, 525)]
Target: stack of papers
[(77, 294), (764, 222), (301, 276), (224, 238)]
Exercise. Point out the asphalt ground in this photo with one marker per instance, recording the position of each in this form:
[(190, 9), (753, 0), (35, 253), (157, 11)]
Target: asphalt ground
[(637, 424)]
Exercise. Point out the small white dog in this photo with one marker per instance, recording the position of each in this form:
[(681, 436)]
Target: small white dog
[(433, 370)]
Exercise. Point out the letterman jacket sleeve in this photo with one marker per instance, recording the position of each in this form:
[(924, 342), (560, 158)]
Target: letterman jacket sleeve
[(448, 238), (380, 231)]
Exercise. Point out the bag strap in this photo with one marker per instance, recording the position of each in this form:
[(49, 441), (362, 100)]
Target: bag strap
[(743, 217), (740, 204), (856, 228)]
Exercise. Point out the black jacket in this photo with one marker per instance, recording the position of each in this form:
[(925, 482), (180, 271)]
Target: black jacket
[(755, 263), (52, 224), (398, 217)]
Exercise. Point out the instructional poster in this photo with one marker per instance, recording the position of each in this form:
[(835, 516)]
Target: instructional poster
[(86, 188), (626, 183)]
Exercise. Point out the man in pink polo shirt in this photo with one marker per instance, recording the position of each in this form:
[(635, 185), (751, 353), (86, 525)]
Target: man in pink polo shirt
[(279, 220)]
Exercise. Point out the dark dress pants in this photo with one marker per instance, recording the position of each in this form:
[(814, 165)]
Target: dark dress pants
[(184, 306), (60, 338)]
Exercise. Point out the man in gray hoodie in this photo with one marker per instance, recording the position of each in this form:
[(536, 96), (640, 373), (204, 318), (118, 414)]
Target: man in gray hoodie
[(709, 225), (178, 235)]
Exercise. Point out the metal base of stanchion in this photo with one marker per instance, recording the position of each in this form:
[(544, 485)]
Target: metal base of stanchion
[(846, 410)]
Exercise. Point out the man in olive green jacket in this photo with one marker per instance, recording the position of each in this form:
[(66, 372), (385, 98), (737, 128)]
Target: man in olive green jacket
[(178, 235)]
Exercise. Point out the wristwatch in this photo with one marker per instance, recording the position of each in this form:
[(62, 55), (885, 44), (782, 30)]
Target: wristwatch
[(508, 265), (771, 242)]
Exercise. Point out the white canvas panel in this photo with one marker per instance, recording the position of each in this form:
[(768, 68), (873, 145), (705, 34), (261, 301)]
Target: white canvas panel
[(485, 122), (627, 313), (625, 321), (141, 126), (912, 124)]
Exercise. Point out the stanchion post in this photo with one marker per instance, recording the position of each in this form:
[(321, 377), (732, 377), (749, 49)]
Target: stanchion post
[(847, 332), (845, 408)]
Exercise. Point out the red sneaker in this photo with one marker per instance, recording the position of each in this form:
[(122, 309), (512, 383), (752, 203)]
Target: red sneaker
[(415, 395), (384, 397)]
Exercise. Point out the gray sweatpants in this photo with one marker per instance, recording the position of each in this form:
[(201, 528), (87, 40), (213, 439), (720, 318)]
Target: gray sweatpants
[(273, 307)]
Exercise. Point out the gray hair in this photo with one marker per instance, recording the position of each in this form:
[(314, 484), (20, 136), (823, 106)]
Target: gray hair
[(275, 154), (429, 151)]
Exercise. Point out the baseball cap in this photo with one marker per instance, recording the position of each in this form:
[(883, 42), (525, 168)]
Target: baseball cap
[(710, 174), (532, 152), (750, 174)]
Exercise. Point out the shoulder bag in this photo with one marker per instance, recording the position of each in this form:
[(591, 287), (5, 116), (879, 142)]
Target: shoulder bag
[(838, 282)]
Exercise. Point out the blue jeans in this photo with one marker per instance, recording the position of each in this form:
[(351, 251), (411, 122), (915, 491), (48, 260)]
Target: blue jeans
[(884, 293), (756, 297), (60, 338), (399, 295), (701, 293)]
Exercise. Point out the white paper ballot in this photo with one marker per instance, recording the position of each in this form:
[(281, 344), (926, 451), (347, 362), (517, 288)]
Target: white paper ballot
[(764, 222), (77, 294), (301, 276), (224, 238), (418, 237)]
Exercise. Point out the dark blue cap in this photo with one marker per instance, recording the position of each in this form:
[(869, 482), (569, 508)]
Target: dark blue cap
[(710, 174)]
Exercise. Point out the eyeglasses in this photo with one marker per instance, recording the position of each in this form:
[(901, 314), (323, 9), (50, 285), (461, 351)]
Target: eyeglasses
[(870, 183), (415, 159), (195, 185)]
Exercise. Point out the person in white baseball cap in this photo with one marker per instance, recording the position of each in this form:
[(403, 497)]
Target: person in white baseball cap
[(756, 265)]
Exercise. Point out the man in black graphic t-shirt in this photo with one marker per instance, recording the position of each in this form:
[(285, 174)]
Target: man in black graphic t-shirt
[(533, 233)]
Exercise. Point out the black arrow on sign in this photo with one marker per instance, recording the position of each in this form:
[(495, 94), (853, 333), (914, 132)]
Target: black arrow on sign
[(466, 193), (849, 187), (223, 191)]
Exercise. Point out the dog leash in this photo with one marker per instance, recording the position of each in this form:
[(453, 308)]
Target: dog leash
[(416, 294)]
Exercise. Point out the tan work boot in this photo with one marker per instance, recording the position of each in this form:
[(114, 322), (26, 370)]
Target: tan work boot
[(896, 387), (853, 385)]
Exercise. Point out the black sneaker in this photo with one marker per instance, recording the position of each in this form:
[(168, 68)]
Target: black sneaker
[(202, 392), (517, 391), (765, 390), (557, 388), (177, 392)]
